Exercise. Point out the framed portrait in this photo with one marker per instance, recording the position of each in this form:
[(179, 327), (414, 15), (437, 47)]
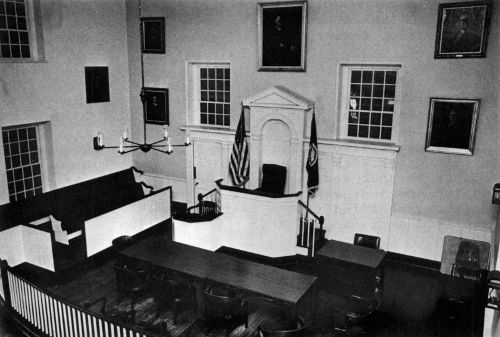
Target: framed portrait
[(462, 29), (282, 36), (97, 84), (451, 126), (156, 105), (153, 39)]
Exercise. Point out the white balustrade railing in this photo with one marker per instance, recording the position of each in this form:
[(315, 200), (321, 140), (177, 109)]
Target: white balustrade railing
[(56, 318)]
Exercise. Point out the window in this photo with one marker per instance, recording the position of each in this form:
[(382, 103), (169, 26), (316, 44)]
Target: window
[(20, 38), (370, 103), (22, 160), (211, 94)]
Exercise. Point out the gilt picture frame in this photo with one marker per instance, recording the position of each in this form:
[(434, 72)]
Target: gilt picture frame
[(462, 30), (153, 39), (156, 105), (451, 126), (282, 30)]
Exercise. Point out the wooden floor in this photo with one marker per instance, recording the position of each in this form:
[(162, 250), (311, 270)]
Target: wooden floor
[(409, 306)]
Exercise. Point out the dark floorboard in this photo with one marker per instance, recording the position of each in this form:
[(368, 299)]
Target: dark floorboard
[(409, 306)]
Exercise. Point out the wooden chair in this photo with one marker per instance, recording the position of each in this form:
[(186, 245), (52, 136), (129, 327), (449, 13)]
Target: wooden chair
[(296, 331), (273, 179), (367, 241), (362, 313), (223, 305), (172, 293), (131, 282)]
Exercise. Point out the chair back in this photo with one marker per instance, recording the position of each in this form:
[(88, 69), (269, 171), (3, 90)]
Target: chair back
[(273, 179), (367, 240), (296, 331), (222, 304), (130, 280)]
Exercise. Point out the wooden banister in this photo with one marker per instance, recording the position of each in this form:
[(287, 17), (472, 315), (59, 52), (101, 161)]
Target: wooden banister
[(321, 219)]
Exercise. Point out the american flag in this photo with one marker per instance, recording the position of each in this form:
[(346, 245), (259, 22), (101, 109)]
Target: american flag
[(239, 164)]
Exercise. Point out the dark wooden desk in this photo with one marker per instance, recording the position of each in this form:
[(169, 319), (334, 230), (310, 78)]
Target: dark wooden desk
[(349, 253), (349, 269), (282, 286)]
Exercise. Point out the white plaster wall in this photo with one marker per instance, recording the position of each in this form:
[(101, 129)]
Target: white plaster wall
[(76, 34), (159, 182), (442, 187)]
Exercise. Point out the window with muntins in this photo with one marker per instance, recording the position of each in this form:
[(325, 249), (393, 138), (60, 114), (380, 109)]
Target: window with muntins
[(370, 103), (22, 161), (14, 30), (215, 95)]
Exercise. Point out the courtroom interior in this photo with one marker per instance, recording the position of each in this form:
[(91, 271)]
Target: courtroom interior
[(257, 168)]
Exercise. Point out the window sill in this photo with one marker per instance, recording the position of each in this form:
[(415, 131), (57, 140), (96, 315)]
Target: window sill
[(21, 61), (361, 144), (207, 128)]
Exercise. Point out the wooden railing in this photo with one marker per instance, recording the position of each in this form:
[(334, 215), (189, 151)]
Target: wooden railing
[(310, 229), (44, 314), (207, 208)]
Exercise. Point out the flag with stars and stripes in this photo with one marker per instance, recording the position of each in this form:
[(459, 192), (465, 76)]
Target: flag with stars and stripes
[(239, 165)]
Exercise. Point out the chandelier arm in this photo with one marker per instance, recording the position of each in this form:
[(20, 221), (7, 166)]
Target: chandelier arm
[(155, 148), (131, 142), (134, 149), (159, 141)]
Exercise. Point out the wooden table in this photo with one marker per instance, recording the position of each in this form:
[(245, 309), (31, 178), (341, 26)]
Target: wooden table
[(350, 269), (282, 286)]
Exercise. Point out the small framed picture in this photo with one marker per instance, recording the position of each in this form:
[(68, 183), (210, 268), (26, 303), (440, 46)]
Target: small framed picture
[(462, 29), (156, 105), (97, 84), (282, 36), (153, 39), (452, 125)]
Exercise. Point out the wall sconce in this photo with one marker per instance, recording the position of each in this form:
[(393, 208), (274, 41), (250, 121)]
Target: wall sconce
[(496, 194)]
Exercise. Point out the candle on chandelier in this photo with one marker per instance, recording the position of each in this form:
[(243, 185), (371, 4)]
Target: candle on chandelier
[(187, 138), (169, 146), (99, 139), (121, 144), (125, 132), (165, 131)]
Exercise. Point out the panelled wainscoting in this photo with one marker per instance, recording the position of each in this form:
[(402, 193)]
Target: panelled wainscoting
[(355, 193)]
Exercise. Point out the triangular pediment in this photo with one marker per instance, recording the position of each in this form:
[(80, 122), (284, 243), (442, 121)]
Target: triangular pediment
[(278, 97)]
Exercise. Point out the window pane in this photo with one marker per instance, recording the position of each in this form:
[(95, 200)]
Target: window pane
[(375, 132), (204, 84), (375, 119), (356, 76), (355, 90), (390, 77), (367, 76), (220, 73), (203, 118), (390, 91), (363, 131), (378, 77), (364, 118), (377, 104), (16, 51), (203, 73), (353, 117), (352, 130), (365, 104), (388, 105), (4, 36), (386, 133), (387, 119), (5, 49), (211, 73), (378, 91), (366, 91)]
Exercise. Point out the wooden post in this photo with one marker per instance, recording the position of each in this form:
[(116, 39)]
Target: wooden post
[(4, 267)]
